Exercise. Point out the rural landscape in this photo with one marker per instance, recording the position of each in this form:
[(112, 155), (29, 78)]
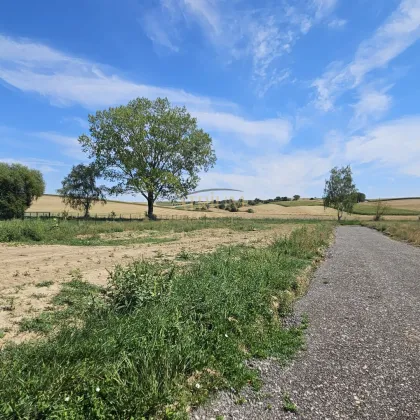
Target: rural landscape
[(113, 309), (210, 210)]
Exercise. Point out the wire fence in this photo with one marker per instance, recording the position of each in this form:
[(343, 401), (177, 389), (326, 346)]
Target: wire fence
[(124, 217)]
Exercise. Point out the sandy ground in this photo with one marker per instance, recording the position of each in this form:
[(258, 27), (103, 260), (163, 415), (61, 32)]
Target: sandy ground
[(24, 266)]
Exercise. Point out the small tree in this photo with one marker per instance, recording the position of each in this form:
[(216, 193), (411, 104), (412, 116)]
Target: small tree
[(79, 190), (296, 197), (340, 193), (380, 210), (149, 148), (19, 187)]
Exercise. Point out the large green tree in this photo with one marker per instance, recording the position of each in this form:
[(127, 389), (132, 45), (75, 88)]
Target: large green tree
[(149, 147), (79, 189), (340, 193), (19, 187)]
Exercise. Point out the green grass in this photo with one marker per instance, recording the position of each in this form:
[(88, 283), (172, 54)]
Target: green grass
[(299, 203), (46, 283), (370, 210), (163, 338), (69, 232)]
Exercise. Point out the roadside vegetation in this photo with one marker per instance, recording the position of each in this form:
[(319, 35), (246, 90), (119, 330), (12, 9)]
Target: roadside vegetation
[(162, 337), (403, 230)]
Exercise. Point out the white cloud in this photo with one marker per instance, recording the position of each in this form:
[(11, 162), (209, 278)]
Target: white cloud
[(337, 23), (66, 80), (70, 145), (262, 34), (398, 33), (394, 144), (281, 174), (372, 104), (254, 133), (44, 165)]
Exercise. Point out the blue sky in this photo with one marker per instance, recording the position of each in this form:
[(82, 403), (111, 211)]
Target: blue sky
[(287, 88)]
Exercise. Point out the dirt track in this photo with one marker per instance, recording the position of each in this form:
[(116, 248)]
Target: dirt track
[(23, 266)]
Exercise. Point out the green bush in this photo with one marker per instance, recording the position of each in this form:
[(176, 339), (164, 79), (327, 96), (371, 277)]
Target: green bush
[(251, 211)]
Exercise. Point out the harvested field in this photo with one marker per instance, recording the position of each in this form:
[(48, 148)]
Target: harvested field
[(32, 274)]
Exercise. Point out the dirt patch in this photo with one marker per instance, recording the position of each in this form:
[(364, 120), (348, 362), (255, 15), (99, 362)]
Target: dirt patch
[(26, 268)]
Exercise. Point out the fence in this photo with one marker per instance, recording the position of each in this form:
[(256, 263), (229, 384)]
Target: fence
[(123, 217)]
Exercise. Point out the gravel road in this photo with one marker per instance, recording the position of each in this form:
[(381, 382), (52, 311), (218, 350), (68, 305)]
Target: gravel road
[(362, 359)]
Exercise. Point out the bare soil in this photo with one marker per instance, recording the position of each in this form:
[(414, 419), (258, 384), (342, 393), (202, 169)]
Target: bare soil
[(24, 266)]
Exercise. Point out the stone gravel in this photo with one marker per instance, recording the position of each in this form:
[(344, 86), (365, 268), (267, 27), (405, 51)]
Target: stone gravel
[(362, 355)]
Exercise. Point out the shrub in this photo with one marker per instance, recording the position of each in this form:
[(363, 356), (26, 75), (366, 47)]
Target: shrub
[(251, 211), (222, 206)]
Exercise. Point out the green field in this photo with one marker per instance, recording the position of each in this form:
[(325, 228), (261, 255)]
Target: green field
[(370, 209), (161, 337), (299, 203)]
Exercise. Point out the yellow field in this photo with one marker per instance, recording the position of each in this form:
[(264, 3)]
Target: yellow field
[(53, 204), (408, 204)]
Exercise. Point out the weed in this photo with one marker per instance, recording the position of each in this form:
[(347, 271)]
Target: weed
[(46, 283), (289, 405), (38, 295), (184, 255)]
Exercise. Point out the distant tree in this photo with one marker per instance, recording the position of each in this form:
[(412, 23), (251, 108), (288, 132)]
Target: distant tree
[(340, 193), (19, 187), (361, 198), (296, 197), (79, 190), (277, 198), (149, 147)]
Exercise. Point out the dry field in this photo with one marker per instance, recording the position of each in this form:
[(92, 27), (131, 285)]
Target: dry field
[(53, 204), (26, 266), (408, 204)]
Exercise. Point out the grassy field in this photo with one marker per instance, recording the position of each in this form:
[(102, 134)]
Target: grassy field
[(299, 203), (160, 338), (91, 233), (405, 231), (404, 207)]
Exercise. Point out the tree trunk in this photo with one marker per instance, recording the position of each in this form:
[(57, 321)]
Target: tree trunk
[(87, 207), (339, 214), (150, 202)]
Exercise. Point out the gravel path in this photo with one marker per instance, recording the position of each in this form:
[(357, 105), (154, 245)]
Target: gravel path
[(363, 346)]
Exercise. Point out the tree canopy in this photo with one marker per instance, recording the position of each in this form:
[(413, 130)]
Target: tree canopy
[(340, 193), (149, 147), (19, 187), (79, 189)]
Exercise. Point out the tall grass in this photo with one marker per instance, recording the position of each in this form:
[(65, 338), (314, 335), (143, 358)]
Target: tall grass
[(406, 231), (69, 232), (165, 337)]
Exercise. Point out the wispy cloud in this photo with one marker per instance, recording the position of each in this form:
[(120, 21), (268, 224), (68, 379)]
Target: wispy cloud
[(372, 105), (337, 23), (68, 80), (394, 144), (69, 145), (44, 165), (263, 35), (399, 32)]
